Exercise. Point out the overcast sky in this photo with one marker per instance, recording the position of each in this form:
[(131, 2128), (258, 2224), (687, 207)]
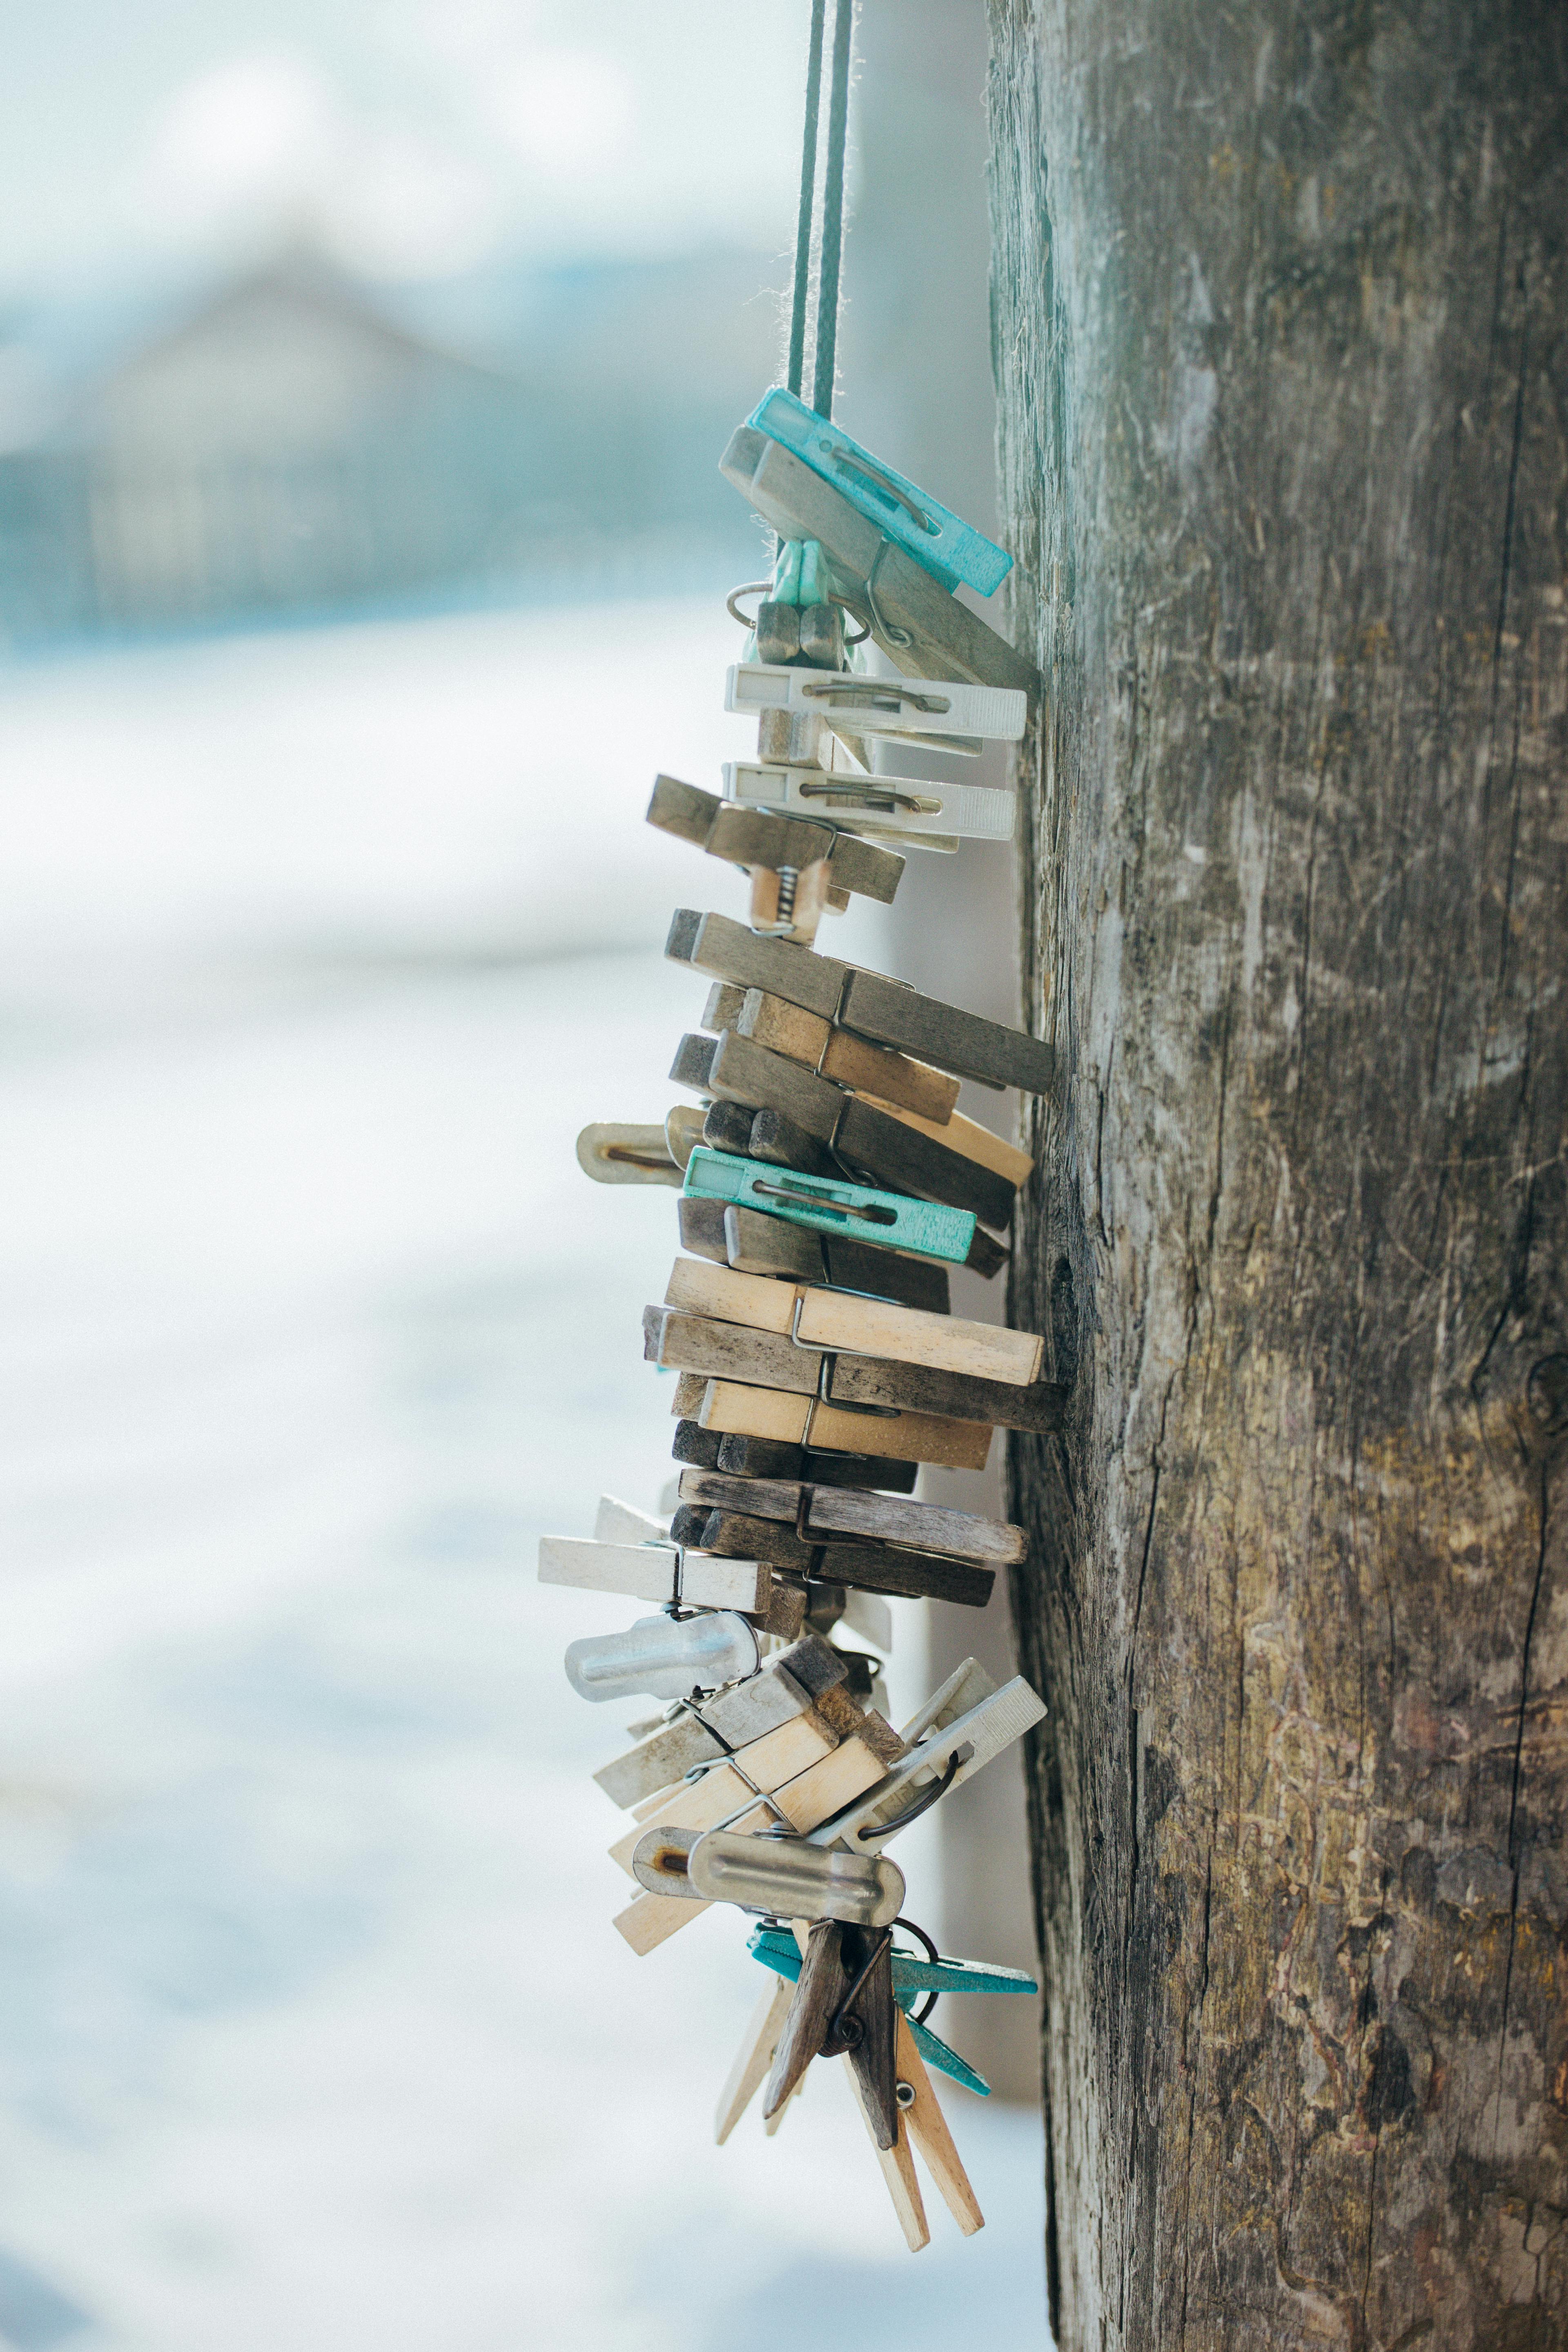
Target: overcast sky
[(414, 136)]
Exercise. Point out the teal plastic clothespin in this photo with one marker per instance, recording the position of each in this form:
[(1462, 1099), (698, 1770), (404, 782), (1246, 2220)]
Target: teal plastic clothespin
[(950, 549), (776, 1948), (888, 1220), (799, 575), (912, 1972)]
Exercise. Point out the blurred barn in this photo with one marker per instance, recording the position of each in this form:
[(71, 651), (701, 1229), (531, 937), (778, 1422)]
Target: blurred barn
[(291, 439)]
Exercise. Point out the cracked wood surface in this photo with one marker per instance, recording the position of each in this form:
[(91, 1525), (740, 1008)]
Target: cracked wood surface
[(1278, 306)]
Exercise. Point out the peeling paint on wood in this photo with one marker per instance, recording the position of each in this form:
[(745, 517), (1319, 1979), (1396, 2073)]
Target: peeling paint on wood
[(1279, 300)]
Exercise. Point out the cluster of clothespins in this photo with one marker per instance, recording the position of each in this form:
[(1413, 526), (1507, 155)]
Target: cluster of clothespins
[(827, 1183)]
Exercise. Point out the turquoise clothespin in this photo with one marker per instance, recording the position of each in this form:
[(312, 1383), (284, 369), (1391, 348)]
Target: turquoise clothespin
[(885, 1219), (777, 1949), (950, 549), (912, 1972), (799, 575)]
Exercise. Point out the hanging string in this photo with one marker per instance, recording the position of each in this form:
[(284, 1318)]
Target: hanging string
[(807, 191), (833, 213), (824, 308)]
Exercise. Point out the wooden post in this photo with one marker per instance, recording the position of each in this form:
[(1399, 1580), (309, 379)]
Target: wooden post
[(1280, 295)]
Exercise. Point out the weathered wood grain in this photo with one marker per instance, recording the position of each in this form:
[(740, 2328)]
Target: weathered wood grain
[(732, 1405), (884, 1011), (726, 1127), (823, 1981), (732, 1351), (848, 1061), (759, 837), (1279, 296), (744, 1457), (870, 1567), (976, 1142), (885, 1519), (832, 1319), (702, 1227), (759, 1244), (906, 1160)]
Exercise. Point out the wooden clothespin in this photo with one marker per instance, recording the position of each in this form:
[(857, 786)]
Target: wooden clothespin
[(844, 2006), (800, 1680), (815, 1316), (753, 1244), (942, 542), (734, 1407), (753, 1457), (822, 1119), (944, 1757), (891, 1079), (884, 1011), (852, 1514), (735, 1351), (754, 838), (926, 632), (655, 1572), (866, 1566)]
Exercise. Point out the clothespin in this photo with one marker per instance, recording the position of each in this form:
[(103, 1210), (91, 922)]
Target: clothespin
[(753, 1244), (753, 838), (920, 814), (803, 1679), (850, 1514), (734, 1351), (656, 1571), (779, 1874), (823, 1317), (949, 1754), (796, 621), (815, 1118), (891, 1079), (943, 714), (736, 1407), (884, 1011), (913, 1977), (871, 1566), (942, 542), (664, 1657), (844, 2006), (755, 1457), (615, 1153), (925, 631), (884, 1220)]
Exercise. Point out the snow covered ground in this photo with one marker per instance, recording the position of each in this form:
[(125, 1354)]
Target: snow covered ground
[(317, 950)]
